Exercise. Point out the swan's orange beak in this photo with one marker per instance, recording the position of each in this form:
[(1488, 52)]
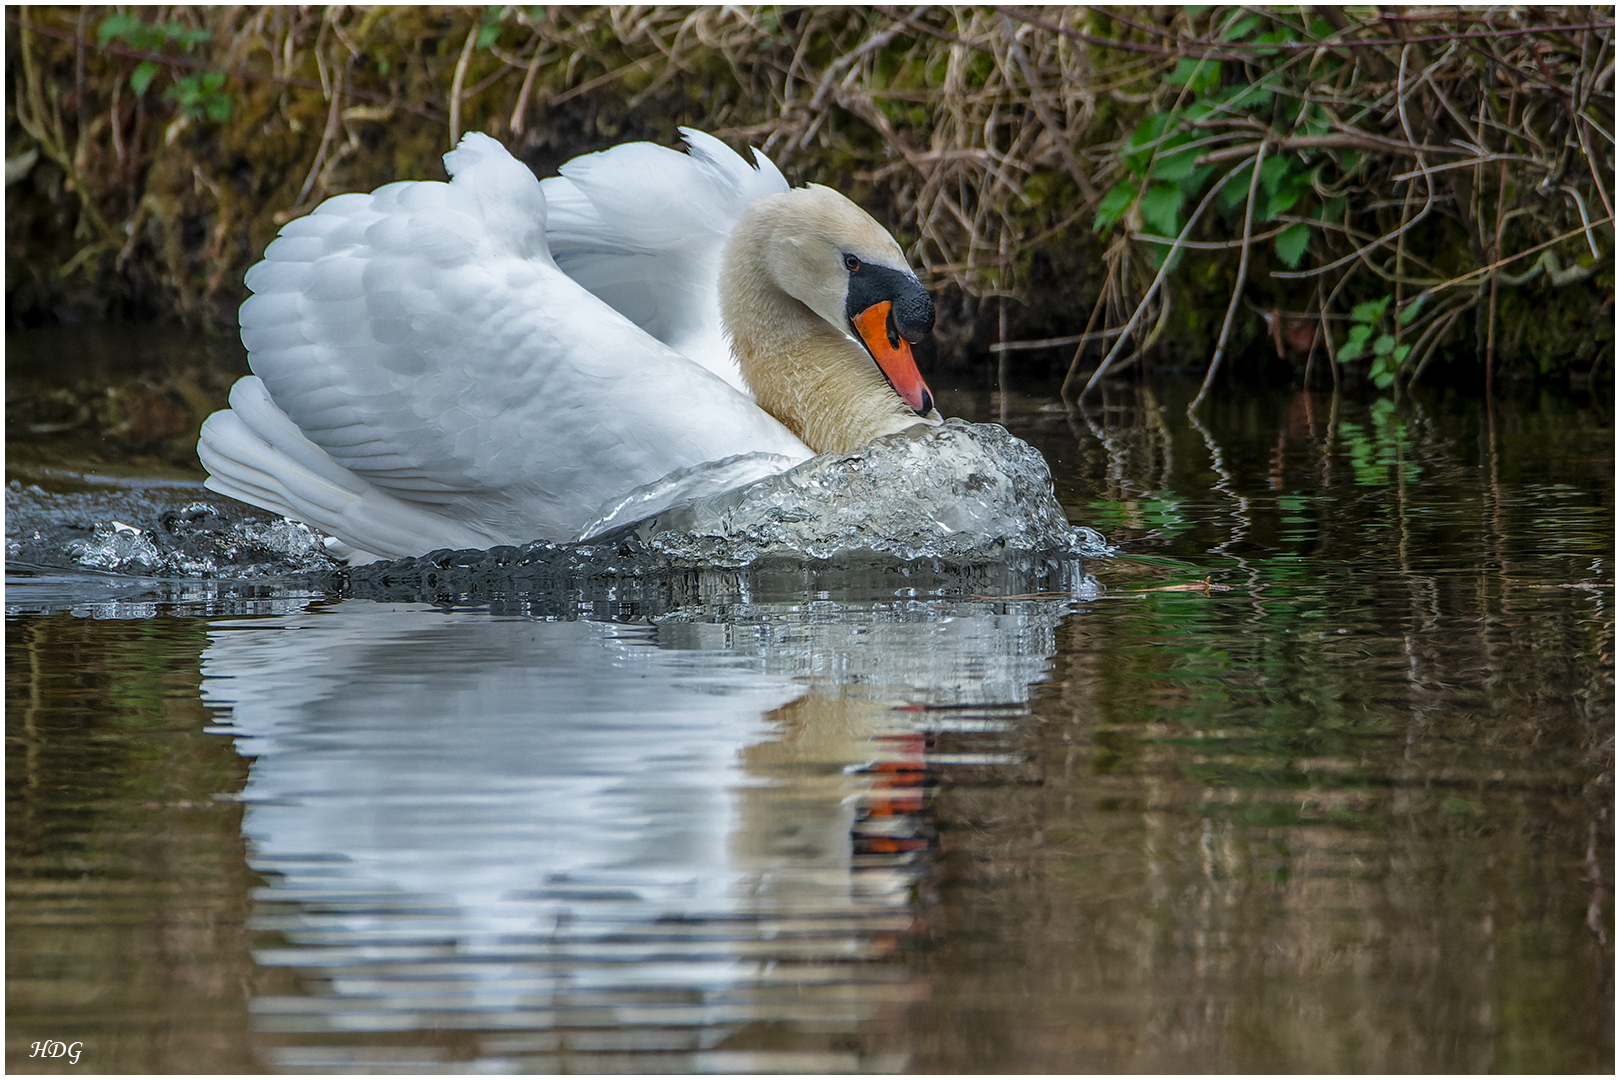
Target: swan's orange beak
[(892, 352)]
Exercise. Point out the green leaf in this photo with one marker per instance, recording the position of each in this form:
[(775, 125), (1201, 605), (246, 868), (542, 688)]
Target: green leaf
[(1147, 134), (1333, 209), (1241, 29), (1257, 96), (1383, 380), (212, 80), (1115, 203), (1273, 171), (487, 35), (1352, 350), (1401, 352), (1371, 311), (114, 26), (1279, 203), (1175, 166), (1161, 209), (1410, 311), (142, 76), (219, 108), (1235, 191), (1265, 39), (1316, 120), (1350, 162), (1290, 245), (1197, 75), (1358, 335), (1194, 181), (1384, 345)]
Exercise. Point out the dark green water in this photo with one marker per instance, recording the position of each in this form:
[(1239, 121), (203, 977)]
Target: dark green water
[(1321, 780)]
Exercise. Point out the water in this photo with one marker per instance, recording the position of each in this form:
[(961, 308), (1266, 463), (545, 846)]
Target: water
[(1316, 774)]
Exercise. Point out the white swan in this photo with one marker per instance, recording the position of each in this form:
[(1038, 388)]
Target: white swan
[(496, 359)]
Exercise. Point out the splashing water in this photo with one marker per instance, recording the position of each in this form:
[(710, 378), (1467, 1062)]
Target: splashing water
[(954, 495), (960, 493)]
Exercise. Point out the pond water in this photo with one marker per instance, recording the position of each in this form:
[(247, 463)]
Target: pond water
[(1314, 774)]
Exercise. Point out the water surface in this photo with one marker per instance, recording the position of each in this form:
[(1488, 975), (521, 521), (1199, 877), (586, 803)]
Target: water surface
[(1318, 777)]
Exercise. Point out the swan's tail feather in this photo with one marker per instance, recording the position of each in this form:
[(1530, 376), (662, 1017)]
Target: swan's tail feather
[(254, 453)]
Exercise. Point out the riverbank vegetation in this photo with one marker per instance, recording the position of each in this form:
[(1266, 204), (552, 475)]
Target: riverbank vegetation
[(1204, 187)]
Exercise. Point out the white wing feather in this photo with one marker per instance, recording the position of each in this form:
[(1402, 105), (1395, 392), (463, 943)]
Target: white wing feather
[(643, 228), (449, 379)]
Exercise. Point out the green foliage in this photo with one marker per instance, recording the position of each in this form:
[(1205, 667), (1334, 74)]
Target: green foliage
[(1290, 245), (149, 36), (1368, 337), (199, 94)]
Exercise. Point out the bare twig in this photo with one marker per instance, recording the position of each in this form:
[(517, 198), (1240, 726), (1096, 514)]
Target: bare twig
[(1237, 289)]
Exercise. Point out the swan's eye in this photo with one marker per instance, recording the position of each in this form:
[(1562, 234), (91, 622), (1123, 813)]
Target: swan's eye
[(851, 263)]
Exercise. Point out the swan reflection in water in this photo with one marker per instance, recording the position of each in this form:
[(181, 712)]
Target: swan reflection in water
[(556, 844)]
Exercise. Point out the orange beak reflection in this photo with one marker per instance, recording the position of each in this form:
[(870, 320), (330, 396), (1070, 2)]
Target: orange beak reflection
[(893, 355)]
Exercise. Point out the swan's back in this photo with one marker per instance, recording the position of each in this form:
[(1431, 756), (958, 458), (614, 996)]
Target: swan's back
[(422, 340)]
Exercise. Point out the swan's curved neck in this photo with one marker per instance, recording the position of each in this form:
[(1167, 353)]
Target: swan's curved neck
[(820, 383)]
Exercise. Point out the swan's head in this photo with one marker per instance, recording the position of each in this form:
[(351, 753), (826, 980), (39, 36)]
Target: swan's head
[(830, 255)]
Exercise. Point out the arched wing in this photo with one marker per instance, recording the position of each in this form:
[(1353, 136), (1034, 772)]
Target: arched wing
[(643, 228), (424, 338)]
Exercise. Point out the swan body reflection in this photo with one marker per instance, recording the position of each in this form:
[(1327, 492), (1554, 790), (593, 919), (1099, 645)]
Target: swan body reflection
[(493, 824)]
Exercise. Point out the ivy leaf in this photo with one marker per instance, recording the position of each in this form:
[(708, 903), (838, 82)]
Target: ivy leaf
[(1384, 345), (1291, 244), (1383, 380), (1400, 354), (1352, 350), (487, 35), (1115, 203), (1161, 209), (1410, 311), (219, 108), (142, 76)]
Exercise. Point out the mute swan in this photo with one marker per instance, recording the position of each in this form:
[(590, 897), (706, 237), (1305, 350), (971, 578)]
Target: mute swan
[(498, 359)]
